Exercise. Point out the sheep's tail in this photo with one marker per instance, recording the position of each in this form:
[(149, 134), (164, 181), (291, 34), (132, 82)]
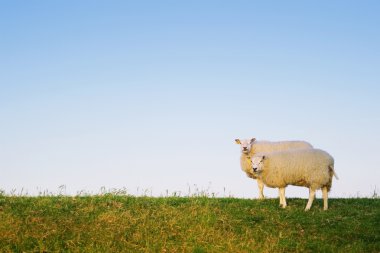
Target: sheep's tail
[(331, 168), (335, 175)]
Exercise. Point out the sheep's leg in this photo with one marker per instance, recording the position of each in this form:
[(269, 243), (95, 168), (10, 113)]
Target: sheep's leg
[(282, 197), (260, 184), (324, 193), (311, 198)]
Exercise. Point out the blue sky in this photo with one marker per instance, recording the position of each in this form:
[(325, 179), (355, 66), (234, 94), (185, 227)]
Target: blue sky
[(151, 94)]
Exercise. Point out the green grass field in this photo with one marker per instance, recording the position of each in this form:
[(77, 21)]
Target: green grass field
[(115, 223)]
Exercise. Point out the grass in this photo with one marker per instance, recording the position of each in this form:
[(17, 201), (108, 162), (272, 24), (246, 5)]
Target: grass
[(121, 223)]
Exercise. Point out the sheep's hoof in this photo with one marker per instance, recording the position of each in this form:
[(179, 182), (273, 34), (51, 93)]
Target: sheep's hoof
[(307, 209)]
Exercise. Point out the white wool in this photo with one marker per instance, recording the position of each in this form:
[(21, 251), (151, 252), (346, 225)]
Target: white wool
[(250, 147), (269, 146), (312, 168)]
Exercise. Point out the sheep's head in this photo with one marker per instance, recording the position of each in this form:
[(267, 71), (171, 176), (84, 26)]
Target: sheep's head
[(257, 163), (245, 145)]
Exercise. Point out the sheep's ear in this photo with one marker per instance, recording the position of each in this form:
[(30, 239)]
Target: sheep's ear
[(237, 141), (252, 140)]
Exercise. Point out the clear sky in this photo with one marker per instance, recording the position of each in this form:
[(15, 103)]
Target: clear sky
[(150, 95)]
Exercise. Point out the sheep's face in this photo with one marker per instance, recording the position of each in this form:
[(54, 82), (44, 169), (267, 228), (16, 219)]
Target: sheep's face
[(257, 163), (245, 145)]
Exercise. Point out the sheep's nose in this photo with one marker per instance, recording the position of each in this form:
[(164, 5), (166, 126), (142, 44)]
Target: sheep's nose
[(245, 148), (254, 169)]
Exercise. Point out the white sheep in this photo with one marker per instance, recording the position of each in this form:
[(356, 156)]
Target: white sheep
[(250, 147), (312, 168)]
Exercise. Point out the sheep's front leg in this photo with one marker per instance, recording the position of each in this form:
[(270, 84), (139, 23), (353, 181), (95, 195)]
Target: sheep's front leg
[(281, 192), (311, 198), (260, 184), (325, 194)]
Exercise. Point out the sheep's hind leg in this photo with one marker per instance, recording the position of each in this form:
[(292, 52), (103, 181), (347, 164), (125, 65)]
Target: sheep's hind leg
[(282, 192), (282, 197), (325, 196), (260, 184), (311, 198)]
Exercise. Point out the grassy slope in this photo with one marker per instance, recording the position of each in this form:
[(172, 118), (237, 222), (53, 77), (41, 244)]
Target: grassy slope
[(112, 223)]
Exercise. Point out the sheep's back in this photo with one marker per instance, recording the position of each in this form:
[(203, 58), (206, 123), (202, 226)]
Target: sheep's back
[(267, 146)]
